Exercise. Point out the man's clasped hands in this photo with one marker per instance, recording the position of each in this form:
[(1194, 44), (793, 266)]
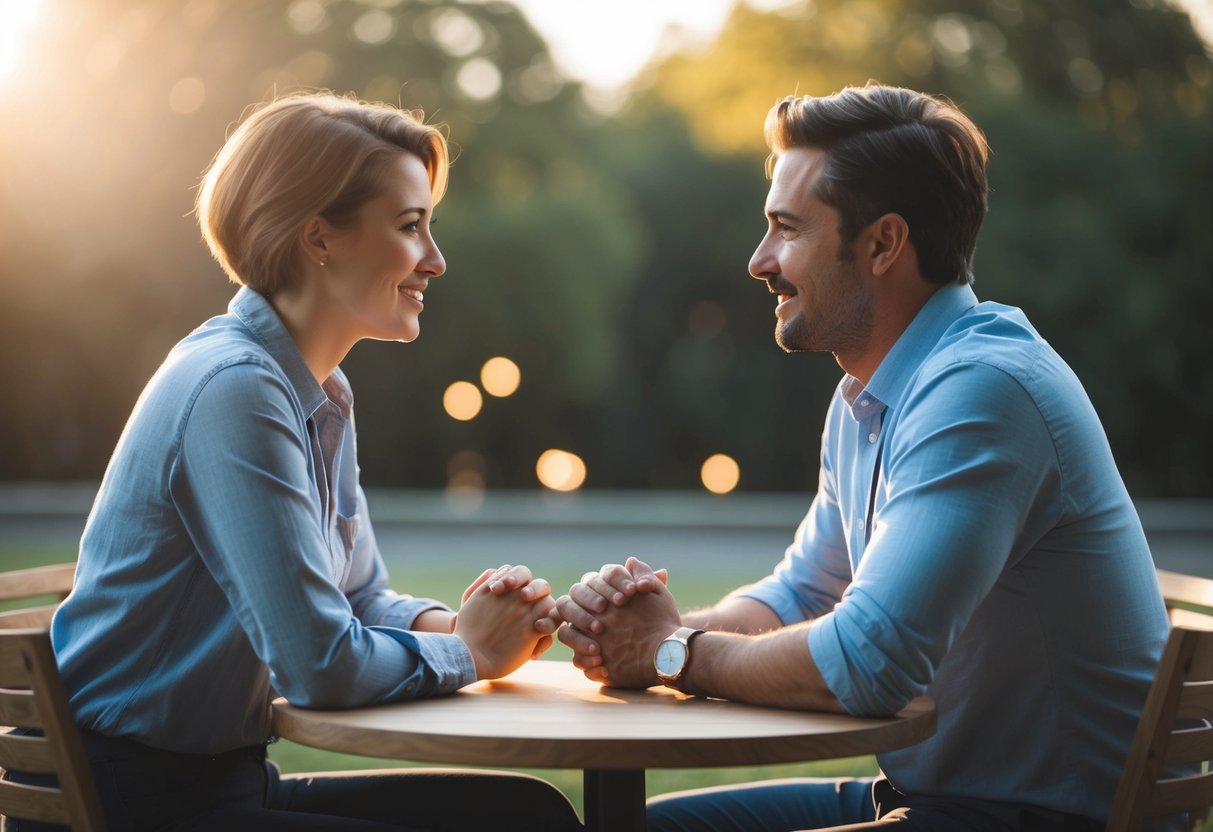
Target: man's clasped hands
[(609, 645)]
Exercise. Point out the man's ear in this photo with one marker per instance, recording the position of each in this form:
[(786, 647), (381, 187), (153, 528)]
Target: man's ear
[(312, 240), (888, 240)]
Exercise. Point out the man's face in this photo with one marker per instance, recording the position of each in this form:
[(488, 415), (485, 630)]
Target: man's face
[(825, 302)]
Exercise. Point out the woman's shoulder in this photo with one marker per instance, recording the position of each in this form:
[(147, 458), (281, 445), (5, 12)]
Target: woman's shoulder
[(221, 360)]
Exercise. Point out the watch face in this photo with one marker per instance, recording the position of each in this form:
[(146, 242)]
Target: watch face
[(671, 656)]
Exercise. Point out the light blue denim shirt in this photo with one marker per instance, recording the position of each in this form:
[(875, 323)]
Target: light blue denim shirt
[(997, 565), (229, 557)]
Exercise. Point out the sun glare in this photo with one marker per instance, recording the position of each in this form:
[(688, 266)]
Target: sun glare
[(17, 20)]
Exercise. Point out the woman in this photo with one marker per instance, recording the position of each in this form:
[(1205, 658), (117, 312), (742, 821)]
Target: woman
[(229, 557)]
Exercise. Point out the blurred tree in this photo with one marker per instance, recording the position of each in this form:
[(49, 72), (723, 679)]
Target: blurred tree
[(1100, 117), (102, 269), (606, 256)]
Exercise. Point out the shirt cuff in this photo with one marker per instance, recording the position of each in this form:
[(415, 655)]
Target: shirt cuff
[(448, 657), (403, 613)]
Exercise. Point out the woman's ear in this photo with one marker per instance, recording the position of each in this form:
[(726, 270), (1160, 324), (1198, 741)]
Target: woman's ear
[(312, 239), (888, 240)]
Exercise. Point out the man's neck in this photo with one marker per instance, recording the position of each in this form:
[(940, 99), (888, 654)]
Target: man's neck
[(891, 318)]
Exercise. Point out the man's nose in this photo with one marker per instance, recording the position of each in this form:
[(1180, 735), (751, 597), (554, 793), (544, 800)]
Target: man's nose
[(762, 261)]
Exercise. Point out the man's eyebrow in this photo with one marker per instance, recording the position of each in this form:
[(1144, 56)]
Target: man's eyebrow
[(784, 216)]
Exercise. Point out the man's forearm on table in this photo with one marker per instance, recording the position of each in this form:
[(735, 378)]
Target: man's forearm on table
[(772, 669), (735, 615)]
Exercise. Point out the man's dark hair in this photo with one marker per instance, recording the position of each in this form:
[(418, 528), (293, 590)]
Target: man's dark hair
[(893, 150)]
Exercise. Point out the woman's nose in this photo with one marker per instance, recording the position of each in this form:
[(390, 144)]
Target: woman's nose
[(433, 264)]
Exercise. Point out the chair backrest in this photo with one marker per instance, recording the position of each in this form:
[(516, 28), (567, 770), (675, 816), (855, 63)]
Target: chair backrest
[(1189, 599), (24, 584), (1182, 690), (32, 696)]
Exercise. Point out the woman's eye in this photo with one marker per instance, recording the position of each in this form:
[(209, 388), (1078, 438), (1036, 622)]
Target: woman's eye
[(411, 227)]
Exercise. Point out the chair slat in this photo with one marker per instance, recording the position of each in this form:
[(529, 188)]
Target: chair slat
[(32, 802), (1196, 701), (1201, 665), (18, 708), (31, 755), (1181, 795), (29, 617), (1190, 745), (1191, 619), (15, 663), (42, 580)]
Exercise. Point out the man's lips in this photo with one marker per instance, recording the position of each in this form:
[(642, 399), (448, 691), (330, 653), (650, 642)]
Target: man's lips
[(782, 292)]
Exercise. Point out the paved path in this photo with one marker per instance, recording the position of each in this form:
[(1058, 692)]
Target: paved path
[(743, 534)]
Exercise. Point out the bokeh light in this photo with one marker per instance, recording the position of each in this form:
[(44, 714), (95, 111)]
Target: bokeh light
[(720, 473), (465, 473), (479, 79), (500, 377), (187, 96), (560, 470), (462, 401)]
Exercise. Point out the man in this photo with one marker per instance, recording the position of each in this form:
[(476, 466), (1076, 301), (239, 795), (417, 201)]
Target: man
[(971, 538)]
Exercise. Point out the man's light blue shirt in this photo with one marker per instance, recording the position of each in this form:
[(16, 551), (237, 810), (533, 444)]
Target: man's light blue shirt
[(997, 564), (229, 558)]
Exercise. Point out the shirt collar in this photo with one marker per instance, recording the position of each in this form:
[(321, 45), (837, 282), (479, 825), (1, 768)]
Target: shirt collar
[(256, 313), (912, 347)]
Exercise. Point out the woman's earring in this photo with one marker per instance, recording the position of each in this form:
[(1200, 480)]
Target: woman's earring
[(324, 261)]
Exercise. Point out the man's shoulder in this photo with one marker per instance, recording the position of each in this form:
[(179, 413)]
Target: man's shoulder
[(1002, 338), (992, 360)]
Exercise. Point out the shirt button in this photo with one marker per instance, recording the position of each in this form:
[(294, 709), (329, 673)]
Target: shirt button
[(872, 437), (859, 522), (864, 402)]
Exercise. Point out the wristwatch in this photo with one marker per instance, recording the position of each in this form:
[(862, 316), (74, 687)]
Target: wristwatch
[(673, 655)]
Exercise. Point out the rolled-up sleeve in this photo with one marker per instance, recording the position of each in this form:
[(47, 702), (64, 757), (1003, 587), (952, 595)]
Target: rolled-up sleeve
[(959, 482), (243, 490)]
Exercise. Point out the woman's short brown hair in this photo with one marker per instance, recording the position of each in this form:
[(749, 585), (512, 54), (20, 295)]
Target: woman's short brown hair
[(301, 156), (893, 150)]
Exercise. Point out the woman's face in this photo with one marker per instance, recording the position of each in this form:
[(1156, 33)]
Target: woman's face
[(377, 270)]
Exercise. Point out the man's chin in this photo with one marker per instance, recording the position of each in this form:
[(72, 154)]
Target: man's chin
[(789, 338)]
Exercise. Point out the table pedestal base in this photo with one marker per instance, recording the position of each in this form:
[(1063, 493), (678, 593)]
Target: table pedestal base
[(614, 800)]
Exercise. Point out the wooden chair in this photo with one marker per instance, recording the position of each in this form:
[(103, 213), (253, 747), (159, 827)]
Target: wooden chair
[(26, 584), (1182, 691), (1189, 599), (32, 696)]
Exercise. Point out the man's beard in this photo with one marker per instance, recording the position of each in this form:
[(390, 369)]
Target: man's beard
[(841, 316)]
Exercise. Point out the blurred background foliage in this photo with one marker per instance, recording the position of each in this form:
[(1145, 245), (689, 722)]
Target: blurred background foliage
[(605, 252)]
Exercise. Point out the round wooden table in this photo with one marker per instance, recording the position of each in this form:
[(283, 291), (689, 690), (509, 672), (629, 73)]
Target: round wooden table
[(548, 715)]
